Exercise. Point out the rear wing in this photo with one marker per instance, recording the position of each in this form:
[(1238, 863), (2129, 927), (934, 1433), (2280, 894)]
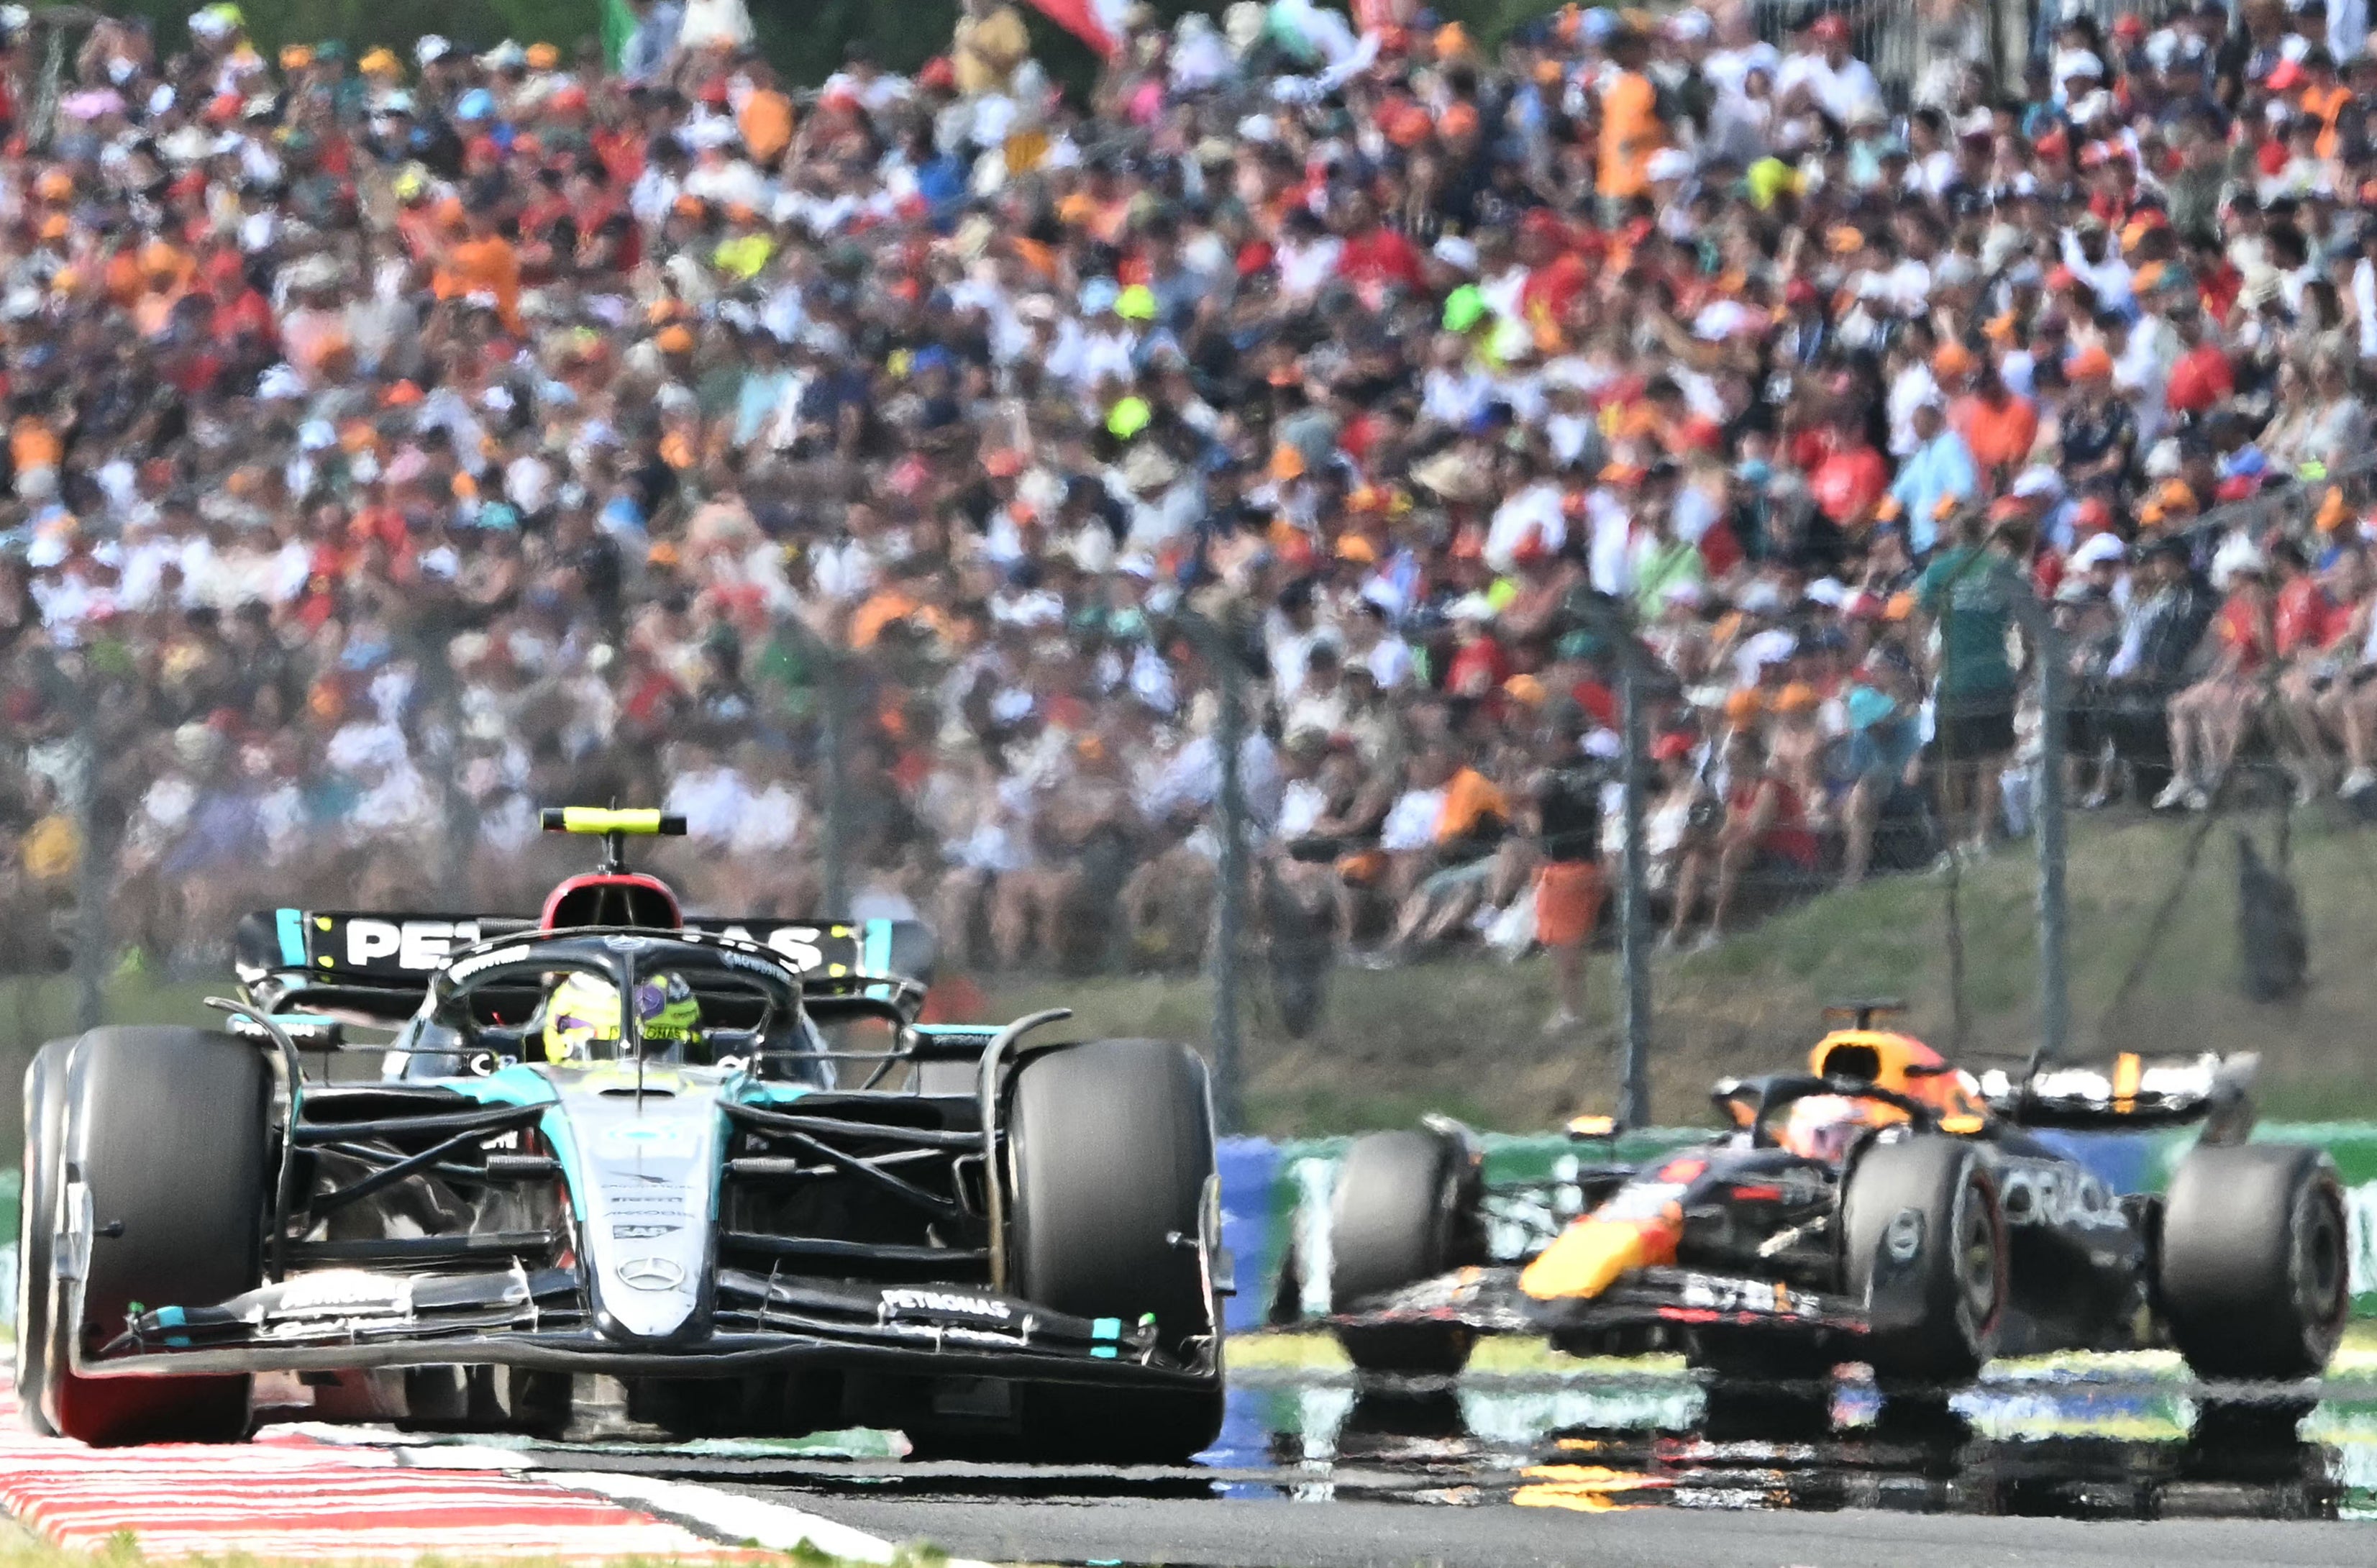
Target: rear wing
[(380, 963), (2132, 1093)]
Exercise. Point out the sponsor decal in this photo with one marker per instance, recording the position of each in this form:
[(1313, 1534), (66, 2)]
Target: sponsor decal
[(906, 1300), (2045, 1192), (649, 1273), (1903, 1237), (798, 943), (750, 960), (486, 960), (343, 1293), (413, 944), (626, 1232), (1715, 1293)]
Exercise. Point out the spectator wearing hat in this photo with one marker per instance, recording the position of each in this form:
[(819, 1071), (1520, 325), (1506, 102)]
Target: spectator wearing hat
[(1820, 74)]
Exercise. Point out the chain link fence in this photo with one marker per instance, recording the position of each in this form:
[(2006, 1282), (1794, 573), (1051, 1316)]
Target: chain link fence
[(1341, 904)]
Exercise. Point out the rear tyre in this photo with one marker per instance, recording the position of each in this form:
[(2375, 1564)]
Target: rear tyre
[(1398, 1217), (165, 1130), (1925, 1242), (1111, 1152), (2253, 1273), (37, 1220)]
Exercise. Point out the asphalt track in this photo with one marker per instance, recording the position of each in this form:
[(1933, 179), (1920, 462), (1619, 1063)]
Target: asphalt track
[(2107, 1466), (1225, 1533)]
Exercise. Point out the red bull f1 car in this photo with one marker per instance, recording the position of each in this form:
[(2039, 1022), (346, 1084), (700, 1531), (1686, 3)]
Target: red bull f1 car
[(1882, 1207), (704, 1177)]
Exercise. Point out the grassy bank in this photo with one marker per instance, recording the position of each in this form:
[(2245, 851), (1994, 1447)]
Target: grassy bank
[(1463, 1034)]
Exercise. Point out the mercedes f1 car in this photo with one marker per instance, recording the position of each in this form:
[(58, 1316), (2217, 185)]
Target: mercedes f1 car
[(614, 1164), (1883, 1208)]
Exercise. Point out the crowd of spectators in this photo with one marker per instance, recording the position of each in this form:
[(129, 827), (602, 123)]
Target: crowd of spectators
[(398, 441)]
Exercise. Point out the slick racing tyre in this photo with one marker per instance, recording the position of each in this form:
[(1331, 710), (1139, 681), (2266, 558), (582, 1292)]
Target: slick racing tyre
[(164, 1132), (1397, 1217), (36, 1221), (1111, 1153), (2254, 1273), (1924, 1239)]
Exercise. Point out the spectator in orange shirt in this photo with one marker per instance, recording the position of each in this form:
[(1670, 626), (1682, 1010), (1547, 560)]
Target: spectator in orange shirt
[(2324, 99), (483, 261), (766, 117), (1631, 127), (1999, 425)]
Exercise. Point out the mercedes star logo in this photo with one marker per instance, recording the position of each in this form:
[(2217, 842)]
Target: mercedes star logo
[(651, 1274)]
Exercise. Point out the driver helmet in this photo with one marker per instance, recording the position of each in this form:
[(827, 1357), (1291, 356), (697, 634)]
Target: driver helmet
[(583, 1016), (1825, 1127)]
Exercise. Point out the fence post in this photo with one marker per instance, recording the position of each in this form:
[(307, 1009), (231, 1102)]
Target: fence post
[(1633, 898), (835, 849), (1230, 917), (442, 749), (91, 955), (2054, 935)]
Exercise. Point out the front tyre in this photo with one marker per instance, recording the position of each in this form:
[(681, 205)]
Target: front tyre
[(164, 1130), (2253, 1272), (1110, 1147), (1924, 1239), (1399, 1216), (37, 1223)]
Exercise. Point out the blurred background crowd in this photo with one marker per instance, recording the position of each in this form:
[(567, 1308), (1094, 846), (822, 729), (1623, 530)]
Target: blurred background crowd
[(925, 483)]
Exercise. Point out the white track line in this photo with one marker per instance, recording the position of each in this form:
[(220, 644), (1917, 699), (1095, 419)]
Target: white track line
[(732, 1515)]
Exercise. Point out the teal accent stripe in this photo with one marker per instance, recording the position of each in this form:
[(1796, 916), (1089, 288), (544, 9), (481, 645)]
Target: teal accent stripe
[(1103, 1352), (555, 1125), (875, 954), (290, 925), (173, 1317), (1106, 1328)]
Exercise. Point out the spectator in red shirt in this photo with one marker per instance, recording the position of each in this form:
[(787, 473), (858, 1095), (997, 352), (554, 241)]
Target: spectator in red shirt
[(2308, 624), (1375, 257), (1851, 477), (2208, 720), (2202, 378)]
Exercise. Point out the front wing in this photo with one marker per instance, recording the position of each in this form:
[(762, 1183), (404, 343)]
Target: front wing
[(1489, 1300), (342, 1320)]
